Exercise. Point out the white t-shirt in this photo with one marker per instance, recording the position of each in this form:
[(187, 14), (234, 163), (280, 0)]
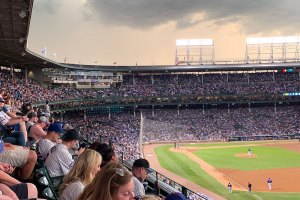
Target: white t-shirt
[(4, 118), (72, 191)]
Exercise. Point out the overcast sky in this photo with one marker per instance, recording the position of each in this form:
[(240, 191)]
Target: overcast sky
[(145, 31)]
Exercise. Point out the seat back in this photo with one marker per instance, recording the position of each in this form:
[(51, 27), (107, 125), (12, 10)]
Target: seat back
[(44, 181), (49, 194), (43, 171)]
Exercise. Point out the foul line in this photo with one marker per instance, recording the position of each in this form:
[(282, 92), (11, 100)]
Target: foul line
[(233, 181)]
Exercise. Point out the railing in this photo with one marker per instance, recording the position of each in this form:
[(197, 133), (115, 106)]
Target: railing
[(157, 183), (74, 104)]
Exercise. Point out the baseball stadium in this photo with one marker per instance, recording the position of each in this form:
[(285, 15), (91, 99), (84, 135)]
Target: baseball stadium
[(198, 129)]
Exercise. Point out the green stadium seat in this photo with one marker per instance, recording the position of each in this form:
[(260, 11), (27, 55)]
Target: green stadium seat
[(49, 194)]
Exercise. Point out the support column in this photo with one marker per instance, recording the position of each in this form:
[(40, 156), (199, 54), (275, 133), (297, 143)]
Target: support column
[(109, 115), (152, 110), (61, 117), (248, 77), (11, 69), (26, 74), (152, 79), (133, 80)]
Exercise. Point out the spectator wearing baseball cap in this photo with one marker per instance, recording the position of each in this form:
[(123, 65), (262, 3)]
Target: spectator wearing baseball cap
[(71, 135), (60, 161), (140, 170), (52, 138), (73, 150), (57, 128)]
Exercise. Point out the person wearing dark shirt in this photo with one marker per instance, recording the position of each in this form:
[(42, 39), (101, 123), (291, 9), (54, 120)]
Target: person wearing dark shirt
[(250, 188), (229, 186)]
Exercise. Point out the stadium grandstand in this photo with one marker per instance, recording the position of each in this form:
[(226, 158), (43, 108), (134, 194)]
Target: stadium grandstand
[(125, 108)]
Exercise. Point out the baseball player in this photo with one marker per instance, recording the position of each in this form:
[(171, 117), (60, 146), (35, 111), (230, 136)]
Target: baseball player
[(249, 188), (229, 186), (269, 181), (249, 152)]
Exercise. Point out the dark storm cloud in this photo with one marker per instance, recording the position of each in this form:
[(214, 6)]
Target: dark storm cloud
[(254, 15)]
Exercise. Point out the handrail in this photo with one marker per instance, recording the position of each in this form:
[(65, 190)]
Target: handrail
[(109, 102)]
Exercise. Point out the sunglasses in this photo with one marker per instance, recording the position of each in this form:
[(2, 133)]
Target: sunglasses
[(121, 171), (141, 198)]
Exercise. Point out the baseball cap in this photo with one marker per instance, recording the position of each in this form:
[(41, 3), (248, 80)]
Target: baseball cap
[(175, 196), (56, 127), (142, 163), (71, 134)]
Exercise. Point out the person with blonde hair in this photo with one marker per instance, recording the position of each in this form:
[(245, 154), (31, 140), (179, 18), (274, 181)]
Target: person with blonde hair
[(80, 175), (113, 182)]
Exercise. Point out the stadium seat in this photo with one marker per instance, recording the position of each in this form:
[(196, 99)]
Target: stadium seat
[(49, 194), (54, 181), (44, 180)]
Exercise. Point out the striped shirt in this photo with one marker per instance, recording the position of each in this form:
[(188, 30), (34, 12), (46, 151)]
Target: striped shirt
[(44, 147), (139, 189), (59, 161)]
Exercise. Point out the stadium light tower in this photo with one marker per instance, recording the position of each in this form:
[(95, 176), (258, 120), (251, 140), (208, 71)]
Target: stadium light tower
[(272, 49), (194, 51)]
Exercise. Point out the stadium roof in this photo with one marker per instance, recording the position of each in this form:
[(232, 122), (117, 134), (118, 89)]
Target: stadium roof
[(14, 25), (15, 18)]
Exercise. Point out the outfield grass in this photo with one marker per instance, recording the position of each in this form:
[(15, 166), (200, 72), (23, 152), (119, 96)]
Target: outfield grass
[(239, 143), (267, 157), (183, 166)]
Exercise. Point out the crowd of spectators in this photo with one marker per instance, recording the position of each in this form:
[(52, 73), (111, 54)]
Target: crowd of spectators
[(219, 124), (158, 85), (123, 129)]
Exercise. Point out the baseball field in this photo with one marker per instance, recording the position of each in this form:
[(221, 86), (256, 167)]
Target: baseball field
[(208, 167)]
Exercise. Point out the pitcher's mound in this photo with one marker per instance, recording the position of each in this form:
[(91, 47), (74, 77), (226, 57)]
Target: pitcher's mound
[(245, 155)]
